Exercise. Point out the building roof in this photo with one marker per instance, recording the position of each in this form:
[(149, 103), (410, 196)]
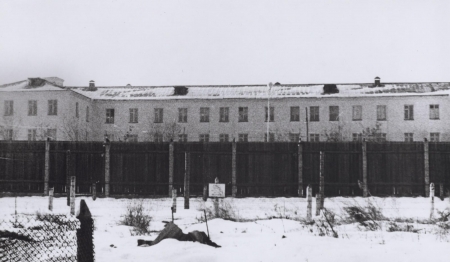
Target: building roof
[(261, 91), (129, 92), (34, 84)]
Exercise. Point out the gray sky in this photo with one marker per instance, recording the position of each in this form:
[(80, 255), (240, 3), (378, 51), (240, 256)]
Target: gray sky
[(225, 42)]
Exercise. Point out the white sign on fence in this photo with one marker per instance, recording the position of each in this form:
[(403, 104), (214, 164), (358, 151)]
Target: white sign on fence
[(216, 190)]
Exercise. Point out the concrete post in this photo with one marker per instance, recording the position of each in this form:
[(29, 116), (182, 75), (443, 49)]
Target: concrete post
[(50, 199), (68, 176), (322, 179), (309, 207), (72, 195)]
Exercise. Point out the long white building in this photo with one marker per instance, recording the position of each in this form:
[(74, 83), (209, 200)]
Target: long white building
[(35, 108)]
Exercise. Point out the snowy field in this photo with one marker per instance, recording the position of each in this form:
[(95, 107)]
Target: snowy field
[(269, 229)]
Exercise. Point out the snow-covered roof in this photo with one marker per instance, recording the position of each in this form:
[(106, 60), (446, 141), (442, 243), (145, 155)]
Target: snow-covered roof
[(261, 91), (34, 84)]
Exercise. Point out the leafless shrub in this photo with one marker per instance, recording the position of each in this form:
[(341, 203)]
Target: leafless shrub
[(137, 217)]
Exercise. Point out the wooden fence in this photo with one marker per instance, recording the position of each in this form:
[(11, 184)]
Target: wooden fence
[(247, 169)]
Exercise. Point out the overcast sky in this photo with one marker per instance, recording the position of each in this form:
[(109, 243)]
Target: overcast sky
[(225, 42)]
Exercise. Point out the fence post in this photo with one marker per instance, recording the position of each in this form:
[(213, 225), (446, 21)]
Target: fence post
[(68, 177), (300, 168), (318, 201), (432, 199), (187, 173), (171, 163), (233, 169), (426, 165), (309, 207), (364, 167), (107, 146), (205, 175), (47, 166), (85, 234), (174, 199), (72, 195), (94, 191), (322, 179), (441, 191), (50, 199)]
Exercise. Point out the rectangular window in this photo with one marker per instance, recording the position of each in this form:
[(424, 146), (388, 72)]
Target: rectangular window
[(243, 138), (334, 113), (313, 113), (434, 112), (203, 138), (223, 114), (52, 107), (434, 137), (409, 112), (51, 133), (381, 113), (295, 113), (314, 138), (182, 115), (32, 107), (223, 138), (357, 137), (204, 114), (31, 134), (8, 134), (87, 114), (294, 137), (271, 117), (271, 137), (158, 138), (409, 137), (357, 113), (9, 107), (134, 115), (109, 116), (182, 138), (243, 114), (159, 115), (77, 114)]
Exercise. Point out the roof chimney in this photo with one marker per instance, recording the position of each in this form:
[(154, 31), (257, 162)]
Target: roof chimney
[(180, 91), (377, 82), (92, 86)]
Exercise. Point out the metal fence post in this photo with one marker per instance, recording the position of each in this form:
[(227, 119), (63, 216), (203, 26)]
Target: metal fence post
[(85, 234), (426, 165)]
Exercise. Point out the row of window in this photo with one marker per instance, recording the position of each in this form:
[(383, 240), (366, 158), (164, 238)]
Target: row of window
[(293, 137), (32, 134), (224, 114), (32, 107)]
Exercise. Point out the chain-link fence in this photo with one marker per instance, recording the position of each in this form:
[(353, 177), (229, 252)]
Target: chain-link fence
[(44, 237)]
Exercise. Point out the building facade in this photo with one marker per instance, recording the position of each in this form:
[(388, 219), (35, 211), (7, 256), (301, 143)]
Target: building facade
[(43, 107)]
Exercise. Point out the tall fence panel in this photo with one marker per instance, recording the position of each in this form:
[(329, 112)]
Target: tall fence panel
[(22, 166), (440, 166), (343, 167), (267, 169), (395, 168), (139, 168), (85, 160)]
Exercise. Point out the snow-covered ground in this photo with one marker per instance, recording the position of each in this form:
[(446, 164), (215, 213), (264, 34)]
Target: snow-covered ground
[(274, 230)]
